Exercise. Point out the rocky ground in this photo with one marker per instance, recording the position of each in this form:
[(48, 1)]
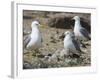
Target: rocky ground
[(52, 53)]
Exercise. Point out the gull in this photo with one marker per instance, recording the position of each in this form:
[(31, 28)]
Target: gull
[(80, 32), (70, 43), (34, 40)]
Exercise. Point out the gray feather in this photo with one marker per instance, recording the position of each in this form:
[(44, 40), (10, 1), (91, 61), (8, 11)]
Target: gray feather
[(26, 40), (76, 45), (85, 33)]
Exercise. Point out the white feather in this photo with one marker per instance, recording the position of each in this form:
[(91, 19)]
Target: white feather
[(35, 35)]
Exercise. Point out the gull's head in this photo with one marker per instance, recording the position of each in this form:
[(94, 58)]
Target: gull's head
[(35, 24), (76, 18), (69, 33)]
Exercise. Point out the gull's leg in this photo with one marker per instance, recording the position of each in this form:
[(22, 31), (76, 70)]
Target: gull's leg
[(36, 52), (82, 44), (69, 52)]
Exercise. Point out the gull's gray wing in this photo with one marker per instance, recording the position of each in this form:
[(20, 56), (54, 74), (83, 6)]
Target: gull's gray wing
[(85, 33), (76, 45), (26, 40)]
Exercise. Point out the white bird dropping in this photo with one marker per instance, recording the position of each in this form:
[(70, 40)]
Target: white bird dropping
[(70, 43), (34, 40), (80, 32)]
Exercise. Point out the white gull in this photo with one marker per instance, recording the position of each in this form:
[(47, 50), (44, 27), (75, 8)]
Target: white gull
[(34, 40), (70, 43), (80, 32)]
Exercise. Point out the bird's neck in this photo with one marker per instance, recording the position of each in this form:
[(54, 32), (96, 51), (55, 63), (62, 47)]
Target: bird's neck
[(68, 37), (35, 30), (77, 24)]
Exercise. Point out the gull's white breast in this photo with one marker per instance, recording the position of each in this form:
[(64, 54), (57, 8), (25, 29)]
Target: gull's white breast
[(35, 41), (68, 44)]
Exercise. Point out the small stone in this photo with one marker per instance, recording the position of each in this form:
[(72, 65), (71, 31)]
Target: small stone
[(53, 58), (27, 65)]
